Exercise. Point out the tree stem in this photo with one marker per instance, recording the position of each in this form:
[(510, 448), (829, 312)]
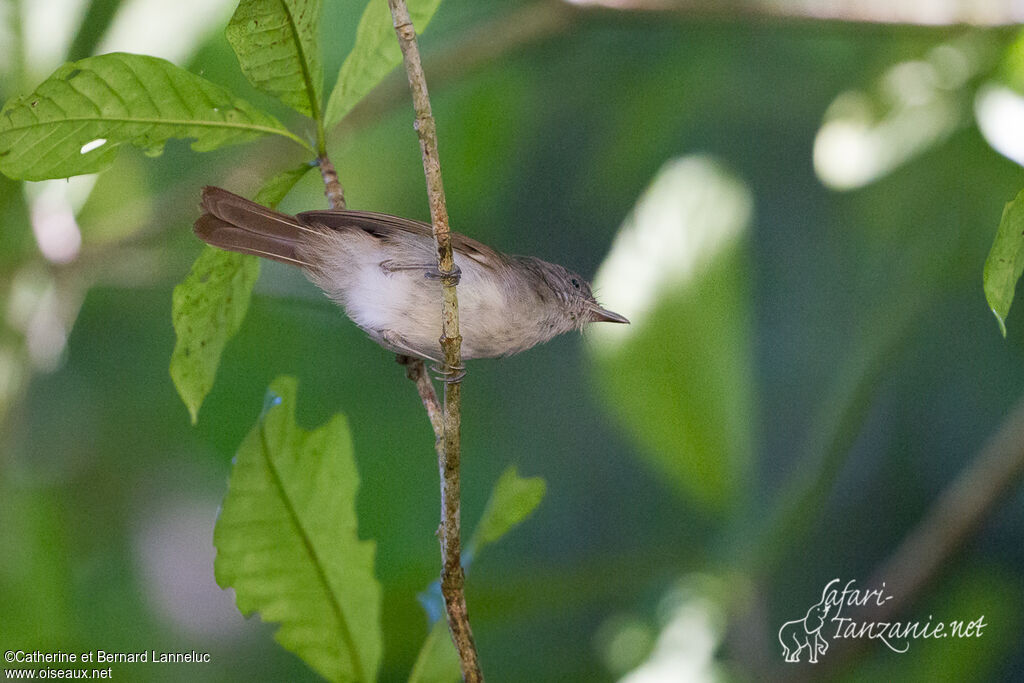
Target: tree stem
[(452, 577), (332, 186)]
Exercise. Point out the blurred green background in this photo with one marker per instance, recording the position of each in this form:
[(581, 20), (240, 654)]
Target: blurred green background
[(794, 213)]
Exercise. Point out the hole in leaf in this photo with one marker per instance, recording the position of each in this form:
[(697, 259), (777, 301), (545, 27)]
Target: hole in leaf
[(94, 144)]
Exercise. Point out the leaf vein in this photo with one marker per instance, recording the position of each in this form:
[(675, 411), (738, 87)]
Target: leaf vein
[(317, 562)]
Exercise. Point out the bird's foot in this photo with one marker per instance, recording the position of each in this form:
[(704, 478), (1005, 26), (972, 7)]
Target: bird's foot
[(451, 278), (447, 373)]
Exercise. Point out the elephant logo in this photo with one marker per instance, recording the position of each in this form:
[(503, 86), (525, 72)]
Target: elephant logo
[(798, 634)]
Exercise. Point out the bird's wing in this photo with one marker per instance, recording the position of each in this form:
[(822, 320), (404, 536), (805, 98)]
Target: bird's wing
[(389, 228)]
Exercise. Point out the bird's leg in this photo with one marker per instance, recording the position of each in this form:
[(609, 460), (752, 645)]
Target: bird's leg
[(392, 266), (397, 343), (445, 372)]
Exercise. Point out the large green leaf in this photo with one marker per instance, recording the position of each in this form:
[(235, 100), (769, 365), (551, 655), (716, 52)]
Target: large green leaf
[(375, 53), (278, 48), (208, 307), (1005, 261), (513, 499), (287, 541), (76, 120), (679, 378)]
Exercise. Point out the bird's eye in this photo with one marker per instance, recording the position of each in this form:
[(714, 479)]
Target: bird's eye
[(575, 283)]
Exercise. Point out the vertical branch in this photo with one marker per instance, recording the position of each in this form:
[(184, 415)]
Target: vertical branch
[(452, 578), (332, 186), (446, 421)]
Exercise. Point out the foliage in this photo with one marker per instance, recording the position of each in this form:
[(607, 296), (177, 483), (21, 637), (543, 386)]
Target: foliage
[(803, 396), (209, 306), (87, 109), (278, 48), (287, 541), (375, 54), (74, 121), (512, 501), (207, 309), (287, 534)]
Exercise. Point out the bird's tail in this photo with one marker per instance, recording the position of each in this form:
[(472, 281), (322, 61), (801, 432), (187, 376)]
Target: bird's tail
[(237, 224)]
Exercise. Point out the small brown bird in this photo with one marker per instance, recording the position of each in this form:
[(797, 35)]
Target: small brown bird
[(383, 271)]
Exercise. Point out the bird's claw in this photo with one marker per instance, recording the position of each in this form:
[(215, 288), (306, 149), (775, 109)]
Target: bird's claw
[(448, 374), (451, 278)]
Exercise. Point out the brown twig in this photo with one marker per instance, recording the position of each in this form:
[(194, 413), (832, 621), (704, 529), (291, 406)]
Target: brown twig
[(452, 577), (332, 186)]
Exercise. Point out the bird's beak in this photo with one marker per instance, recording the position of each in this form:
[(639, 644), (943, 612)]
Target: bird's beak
[(601, 315)]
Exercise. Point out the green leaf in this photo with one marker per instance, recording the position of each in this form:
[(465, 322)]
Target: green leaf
[(1005, 261), (275, 189), (287, 541), (209, 306), (679, 378), (207, 309), (375, 53), (76, 120), (278, 48), (513, 499)]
